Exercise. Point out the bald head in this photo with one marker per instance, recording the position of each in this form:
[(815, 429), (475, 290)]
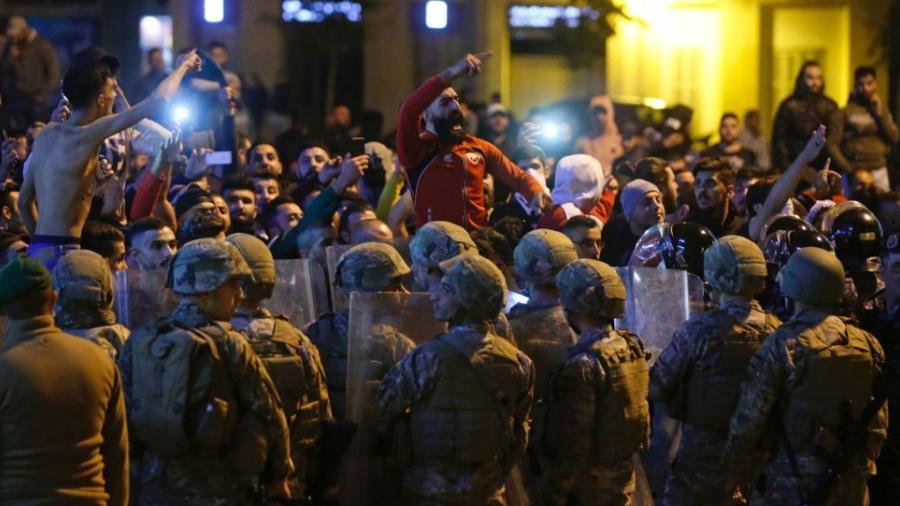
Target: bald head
[(371, 231)]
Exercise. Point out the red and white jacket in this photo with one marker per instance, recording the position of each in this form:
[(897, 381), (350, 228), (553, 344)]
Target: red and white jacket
[(447, 181)]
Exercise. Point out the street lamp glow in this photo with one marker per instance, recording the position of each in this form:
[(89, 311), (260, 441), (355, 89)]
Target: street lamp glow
[(436, 14), (213, 11)]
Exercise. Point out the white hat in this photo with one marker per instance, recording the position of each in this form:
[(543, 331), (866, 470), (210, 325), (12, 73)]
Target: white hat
[(578, 177)]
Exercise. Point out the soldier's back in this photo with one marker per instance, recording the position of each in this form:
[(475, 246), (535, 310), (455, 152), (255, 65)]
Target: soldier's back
[(463, 431), (830, 368), (543, 334), (211, 450), (294, 365), (718, 346), (598, 418)]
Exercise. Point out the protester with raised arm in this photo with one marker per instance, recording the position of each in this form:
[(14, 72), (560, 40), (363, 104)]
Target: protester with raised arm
[(59, 174)]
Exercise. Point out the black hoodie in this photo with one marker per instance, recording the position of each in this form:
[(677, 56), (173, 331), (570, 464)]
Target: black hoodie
[(797, 118)]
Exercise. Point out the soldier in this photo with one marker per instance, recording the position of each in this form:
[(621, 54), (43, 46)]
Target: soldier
[(540, 323), (369, 267), (857, 238), (466, 394), (62, 419), (205, 418), (886, 484), (84, 288), (816, 383), (598, 416), (698, 375), (290, 357), (435, 242)]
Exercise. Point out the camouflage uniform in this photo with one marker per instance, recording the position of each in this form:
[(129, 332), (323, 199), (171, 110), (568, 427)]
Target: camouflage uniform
[(466, 397), (804, 378), (254, 433), (886, 485), (84, 286), (699, 374), (290, 358), (438, 241), (598, 414), (368, 267), (542, 330), (541, 327)]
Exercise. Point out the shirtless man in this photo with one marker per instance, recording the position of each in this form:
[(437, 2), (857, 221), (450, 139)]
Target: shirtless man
[(60, 173)]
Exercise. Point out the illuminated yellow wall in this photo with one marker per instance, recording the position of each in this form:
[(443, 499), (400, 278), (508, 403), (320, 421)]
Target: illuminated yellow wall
[(673, 52), (798, 32), (540, 80)]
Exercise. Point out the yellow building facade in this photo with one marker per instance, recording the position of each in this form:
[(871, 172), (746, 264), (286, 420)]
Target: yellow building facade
[(712, 55), (734, 55)]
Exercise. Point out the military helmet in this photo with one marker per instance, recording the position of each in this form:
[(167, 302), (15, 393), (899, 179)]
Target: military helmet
[(260, 260), (813, 276), (856, 235), (203, 265), (781, 244), (589, 286), (437, 241), (540, 255), (83, 277), (369, 267), (478, 284), (784, 222), (735, 265)]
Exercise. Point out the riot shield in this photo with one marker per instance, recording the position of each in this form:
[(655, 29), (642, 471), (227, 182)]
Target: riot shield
[(141, 297), (293, 294), (333, 253), (378, 321), (659, 302)]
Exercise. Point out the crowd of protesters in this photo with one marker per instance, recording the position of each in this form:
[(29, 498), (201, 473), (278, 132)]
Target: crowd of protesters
[(86, 167)]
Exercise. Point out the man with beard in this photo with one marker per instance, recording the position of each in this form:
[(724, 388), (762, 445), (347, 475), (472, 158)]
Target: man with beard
[(444, 163), (659, 172), (240, 195), (197, 216), (713, 192), (730, 146), (799, 115), (863, 132), (149, 244), (642, 208)]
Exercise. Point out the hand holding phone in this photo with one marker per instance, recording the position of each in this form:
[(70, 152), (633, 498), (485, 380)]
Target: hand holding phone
[(358, 148)]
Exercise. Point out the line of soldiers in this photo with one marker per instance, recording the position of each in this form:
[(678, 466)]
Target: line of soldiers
[(229, 404)]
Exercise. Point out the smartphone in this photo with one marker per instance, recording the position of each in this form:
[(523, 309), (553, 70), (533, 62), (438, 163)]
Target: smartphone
[(218, 158), (359, 147)]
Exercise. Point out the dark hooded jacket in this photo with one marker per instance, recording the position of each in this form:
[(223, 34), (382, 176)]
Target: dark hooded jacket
[(797, 118)]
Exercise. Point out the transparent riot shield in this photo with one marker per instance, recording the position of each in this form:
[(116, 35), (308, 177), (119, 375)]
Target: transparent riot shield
[(659, 302), (382, 326), (333, 253), (141, 297), (293, 295)]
